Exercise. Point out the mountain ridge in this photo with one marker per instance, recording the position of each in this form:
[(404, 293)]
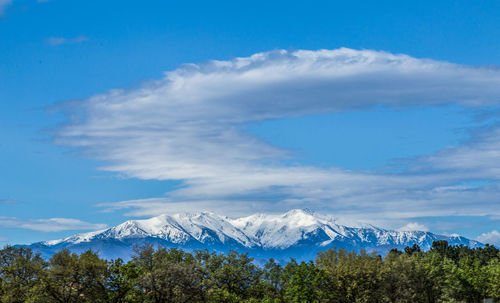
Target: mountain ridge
[(297, 233)]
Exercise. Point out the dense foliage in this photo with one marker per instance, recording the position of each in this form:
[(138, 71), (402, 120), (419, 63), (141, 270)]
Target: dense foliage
[(443, 274)]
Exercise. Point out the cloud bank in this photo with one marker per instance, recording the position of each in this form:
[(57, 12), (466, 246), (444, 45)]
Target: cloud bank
[(49, 225), (190, 126), (492, 237)]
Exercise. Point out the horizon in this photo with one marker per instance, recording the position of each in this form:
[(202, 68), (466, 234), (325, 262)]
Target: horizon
[(376, 113)]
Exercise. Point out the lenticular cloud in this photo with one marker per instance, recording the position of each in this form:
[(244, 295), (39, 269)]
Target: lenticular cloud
[(187, 126)]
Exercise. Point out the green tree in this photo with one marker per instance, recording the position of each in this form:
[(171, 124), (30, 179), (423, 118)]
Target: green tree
[(354, 277), (493, 283), (122, 282), (465, 281), (73, 278), (233, 276), (297, 282), (20, 271), (398, 278), (273, 279), (168, 275)]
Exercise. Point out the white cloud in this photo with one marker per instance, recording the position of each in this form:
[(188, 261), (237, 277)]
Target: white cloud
[(475, 159), (189, 126), (52, 224), (492, 237), (413, 226), (3, 5), (61, 40)]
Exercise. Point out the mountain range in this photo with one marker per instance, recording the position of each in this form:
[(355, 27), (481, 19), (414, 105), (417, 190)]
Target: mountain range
[(297, 233)]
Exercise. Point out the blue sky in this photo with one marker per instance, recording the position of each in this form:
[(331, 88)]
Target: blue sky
[(373, 133)]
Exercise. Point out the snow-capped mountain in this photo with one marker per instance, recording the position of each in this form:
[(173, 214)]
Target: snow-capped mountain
[(297, 233)]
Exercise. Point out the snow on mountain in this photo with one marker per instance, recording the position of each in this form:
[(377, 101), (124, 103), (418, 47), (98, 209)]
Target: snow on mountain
[(179, 229), (296, 233), (285, 230)]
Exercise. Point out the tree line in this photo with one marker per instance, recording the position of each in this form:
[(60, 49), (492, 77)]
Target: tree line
[(442, 274)]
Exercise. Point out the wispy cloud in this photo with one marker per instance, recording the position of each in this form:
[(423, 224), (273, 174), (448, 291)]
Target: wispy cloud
[(61, 40), (492, 237), (48, 225), (413, 226), (8, 201), (188, 126), (3, 5)]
